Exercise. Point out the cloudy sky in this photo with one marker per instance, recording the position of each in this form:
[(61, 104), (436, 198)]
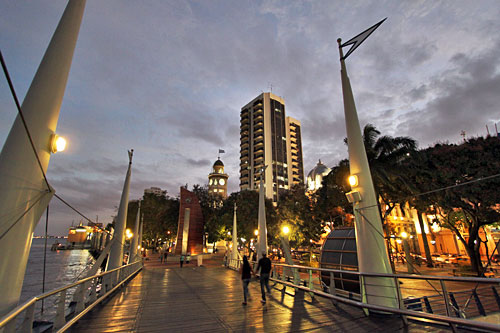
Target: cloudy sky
[(168, 79)]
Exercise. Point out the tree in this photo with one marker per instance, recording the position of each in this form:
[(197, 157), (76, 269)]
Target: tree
[(386, 156), (295, 211), (160, 215), (473, 204), (330, 203), (247, 202)]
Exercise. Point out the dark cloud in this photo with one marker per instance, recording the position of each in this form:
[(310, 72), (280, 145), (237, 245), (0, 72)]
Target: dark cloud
[(169, 79)]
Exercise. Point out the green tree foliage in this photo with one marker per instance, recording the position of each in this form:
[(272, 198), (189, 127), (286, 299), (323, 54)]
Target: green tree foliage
[(386, 156), (473, 205), (247, 202), (160, 215), (295, 211), (330, 202), (210, 207)]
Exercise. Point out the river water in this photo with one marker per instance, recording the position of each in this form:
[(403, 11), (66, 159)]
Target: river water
[(62, 267)]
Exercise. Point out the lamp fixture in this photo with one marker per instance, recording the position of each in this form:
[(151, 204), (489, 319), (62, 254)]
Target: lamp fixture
[(57, 143)]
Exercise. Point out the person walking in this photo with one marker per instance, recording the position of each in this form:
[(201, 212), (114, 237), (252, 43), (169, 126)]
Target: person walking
[(165, 256), (182, 260), (265, 268), (246, 272)]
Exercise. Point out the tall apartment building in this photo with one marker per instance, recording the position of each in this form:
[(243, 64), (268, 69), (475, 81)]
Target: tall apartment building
[(268, 137)]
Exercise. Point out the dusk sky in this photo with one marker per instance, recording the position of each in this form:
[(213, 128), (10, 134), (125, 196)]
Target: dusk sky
[(169, 78)]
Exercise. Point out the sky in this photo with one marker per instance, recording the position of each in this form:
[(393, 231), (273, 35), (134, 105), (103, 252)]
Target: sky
[(168, 79)]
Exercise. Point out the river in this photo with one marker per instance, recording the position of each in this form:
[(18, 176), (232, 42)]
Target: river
[(62, 267)]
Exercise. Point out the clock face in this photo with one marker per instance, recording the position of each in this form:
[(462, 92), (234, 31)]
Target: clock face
[(221, 181)]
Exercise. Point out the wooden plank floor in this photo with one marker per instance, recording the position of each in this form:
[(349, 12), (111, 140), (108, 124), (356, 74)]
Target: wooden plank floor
[(208, 299)]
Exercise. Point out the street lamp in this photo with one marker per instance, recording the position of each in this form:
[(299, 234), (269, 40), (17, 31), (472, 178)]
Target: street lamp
[(57, 143), (406, 247), (285, 230), (256, 232), (353, 180), (128, 234)]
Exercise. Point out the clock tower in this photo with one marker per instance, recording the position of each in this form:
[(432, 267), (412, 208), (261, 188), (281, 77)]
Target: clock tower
[(217, 180)]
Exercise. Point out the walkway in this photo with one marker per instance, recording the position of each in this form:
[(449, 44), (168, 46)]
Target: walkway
[(208, 299)]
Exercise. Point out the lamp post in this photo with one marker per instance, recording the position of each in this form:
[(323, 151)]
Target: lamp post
[(285, 243), (406, 247)]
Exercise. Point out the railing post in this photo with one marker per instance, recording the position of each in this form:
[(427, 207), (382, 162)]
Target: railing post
[(333, 291), (60, 320), (93, 291), (310, 284), (296, 278), (400, 300), (29, 316), (447, 304), (80, 297)]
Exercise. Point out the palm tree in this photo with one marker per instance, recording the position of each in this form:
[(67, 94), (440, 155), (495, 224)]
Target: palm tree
[(387, 156)]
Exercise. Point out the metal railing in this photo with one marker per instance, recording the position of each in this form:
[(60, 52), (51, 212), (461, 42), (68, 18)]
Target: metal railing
[(87, 294), (443, 304)]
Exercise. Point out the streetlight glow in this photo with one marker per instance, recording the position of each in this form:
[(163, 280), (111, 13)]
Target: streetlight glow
[(286, 230), (353, 180), (128, 234), (256, 232), (58, 143), (404, 234)]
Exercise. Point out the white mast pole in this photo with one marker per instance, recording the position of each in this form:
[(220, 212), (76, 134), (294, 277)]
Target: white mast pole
[(23, 189), (262, 238), (115, 259), (234, 253), (135, 240), (372, 252)]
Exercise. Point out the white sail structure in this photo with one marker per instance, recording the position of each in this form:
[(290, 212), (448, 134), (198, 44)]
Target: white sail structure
[(234, 252), (262, 235), (135, 240), (24, 193), (115, 259)]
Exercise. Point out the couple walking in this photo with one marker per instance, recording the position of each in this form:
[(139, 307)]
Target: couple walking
[(246, 273)]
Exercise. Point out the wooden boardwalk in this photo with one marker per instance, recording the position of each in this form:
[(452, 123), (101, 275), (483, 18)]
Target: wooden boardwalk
[(209, 299)]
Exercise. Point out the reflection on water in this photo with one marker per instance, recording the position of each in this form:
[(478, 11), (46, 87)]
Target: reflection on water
[(62, 268)]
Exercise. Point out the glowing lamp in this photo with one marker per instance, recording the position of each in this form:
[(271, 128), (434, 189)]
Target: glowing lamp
[(256, 232), (404, 235), (57, 144), (286, 230), (353, 180)]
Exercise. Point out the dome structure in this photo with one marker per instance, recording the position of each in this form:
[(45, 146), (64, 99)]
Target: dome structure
[(315, 176), (217, 179), (339, 252)]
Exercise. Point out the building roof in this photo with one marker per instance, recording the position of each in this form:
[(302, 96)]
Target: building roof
[(218, 163)]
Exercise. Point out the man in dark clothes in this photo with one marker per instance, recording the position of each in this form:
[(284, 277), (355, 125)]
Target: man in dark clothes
[(265, 269)]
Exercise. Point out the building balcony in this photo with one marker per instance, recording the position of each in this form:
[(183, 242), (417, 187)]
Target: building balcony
[(245, 120), (244, 144)]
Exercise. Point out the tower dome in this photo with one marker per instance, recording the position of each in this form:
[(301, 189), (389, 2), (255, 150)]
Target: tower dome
[(315, 176), (217, 179)]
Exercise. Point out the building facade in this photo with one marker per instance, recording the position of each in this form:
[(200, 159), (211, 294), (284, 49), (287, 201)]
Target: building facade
[(217, 180), (269, 138), (156, 191)]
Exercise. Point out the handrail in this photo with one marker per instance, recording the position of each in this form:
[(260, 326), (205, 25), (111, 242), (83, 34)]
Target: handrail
[(404, 312), (401, 276), (15, 312)]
